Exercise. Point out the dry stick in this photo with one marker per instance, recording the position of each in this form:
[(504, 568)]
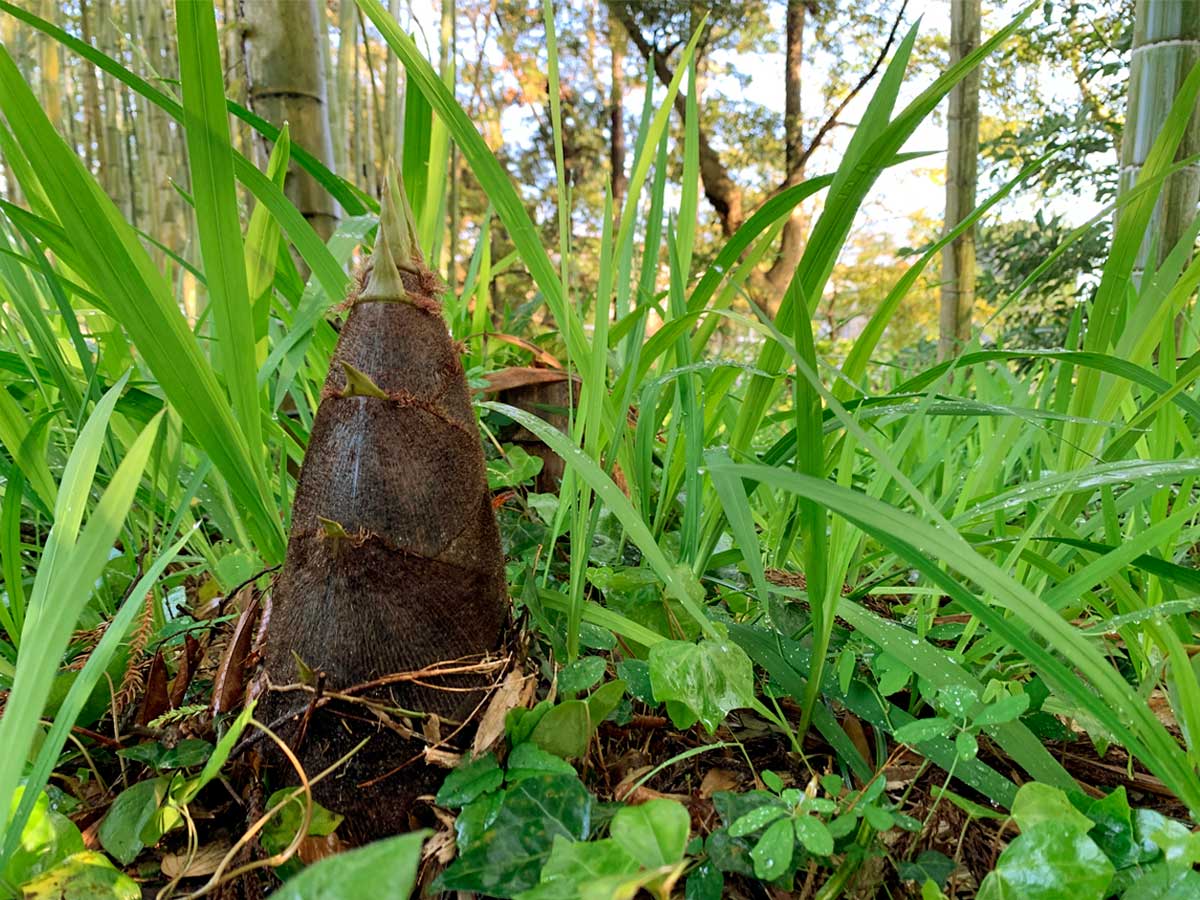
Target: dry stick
[(308, 711), (193, 847), (84, 753), (116, 722), (487, 694), (451, 668), (218, 877)]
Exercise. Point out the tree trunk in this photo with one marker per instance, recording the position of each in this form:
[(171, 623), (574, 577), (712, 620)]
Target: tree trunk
[(112, 176), (286, 76), (1166, 45), (345, 90), (93, 141), (791, 241), (723, 193), (51, 75), (962, 162), (616, 105), (393, 112)]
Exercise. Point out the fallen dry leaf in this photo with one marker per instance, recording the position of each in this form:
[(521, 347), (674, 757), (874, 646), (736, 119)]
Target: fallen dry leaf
[(625, 791), (440, 847), (314, 848), (858, 736), (717, 780), (521, 376), (229, 682), (155, 700), (203, 862), (442, 758), (539, 354), (187, 668), (432, 729), (491, 724)]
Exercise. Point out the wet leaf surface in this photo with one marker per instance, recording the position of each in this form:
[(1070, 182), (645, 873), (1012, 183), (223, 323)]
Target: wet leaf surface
[(702, 681), (508, 857)]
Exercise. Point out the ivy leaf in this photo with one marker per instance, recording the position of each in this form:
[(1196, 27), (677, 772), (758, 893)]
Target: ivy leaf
[(707, 680), (573, 866), (528, 760), (47, 838), (130, 819), (281, 829), (1180, 847), (469, 781), (729, 854), (565, 730), (705, 882), (581, 674), (516, 467), (604, 700), (86, 875), (1047, 862), (361, 873), (636, 675), (812, 833), (508, 857), (187, 753), (1036, 803), (931, 865), (475, 819), (1113, 830)]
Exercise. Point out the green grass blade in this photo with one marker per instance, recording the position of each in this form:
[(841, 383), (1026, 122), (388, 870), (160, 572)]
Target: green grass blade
[(1101, 690), (63, 587), (942, 670), (210, 161), (14, 429), (82, 687), (491, 175), (120, 269), (674, 577)]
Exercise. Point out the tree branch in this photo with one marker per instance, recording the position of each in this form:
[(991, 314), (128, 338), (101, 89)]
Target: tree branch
[(830, 122), (720, 190)]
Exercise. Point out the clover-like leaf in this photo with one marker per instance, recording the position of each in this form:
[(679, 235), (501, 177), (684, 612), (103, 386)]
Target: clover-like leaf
[(773, 853), (814, 835)]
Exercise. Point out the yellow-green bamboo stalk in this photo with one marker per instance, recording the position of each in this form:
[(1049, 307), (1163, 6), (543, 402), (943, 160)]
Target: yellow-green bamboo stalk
[(1166, 45), (344, 88), (287, 84), (962, 168)]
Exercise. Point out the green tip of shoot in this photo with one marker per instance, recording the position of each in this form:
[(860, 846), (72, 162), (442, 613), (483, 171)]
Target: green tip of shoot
[(398, 215), (384, 282)]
